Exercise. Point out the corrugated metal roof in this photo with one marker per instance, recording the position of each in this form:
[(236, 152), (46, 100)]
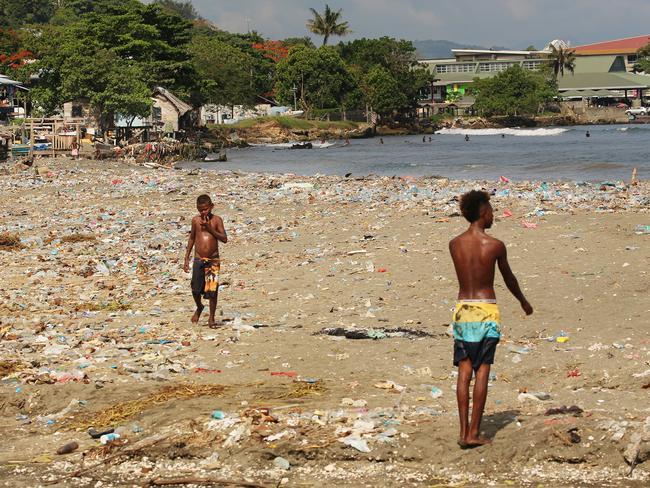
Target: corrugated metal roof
[(593, 64), (603, 81), (589, 94), (628, 45), (4, 80)]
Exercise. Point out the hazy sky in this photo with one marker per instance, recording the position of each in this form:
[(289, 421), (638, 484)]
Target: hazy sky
[(510, 23)]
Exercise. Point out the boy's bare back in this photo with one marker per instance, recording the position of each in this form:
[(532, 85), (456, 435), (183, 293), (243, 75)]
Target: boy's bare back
[(474, 255)]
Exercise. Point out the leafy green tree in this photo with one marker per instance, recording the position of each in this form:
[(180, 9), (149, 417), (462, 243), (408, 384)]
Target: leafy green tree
[(396, 56), (453, 97), (69, 11), (562, 58), (381, 91), (643, 60), (328, 24), (123, 93), (112, 85), (320, 76), (225, 72), (184, 9), (298, 41), (112, 53), (515, 91), (263, 68), (16, 13), (147, 36)]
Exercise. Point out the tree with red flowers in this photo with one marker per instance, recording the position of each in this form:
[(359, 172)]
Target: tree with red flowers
[(273, 50), (12, 55)]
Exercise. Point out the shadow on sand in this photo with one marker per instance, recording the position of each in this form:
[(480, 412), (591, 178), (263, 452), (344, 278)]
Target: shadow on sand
[(493, 423)]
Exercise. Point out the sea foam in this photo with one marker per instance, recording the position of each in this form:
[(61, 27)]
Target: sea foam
[(543, 132)]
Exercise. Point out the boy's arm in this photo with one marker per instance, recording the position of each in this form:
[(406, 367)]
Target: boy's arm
[(218, 232), (511, 280), (190, 245)]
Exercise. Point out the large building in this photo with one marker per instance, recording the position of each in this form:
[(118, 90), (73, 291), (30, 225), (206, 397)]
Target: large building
[(603, 72), (454, 76)]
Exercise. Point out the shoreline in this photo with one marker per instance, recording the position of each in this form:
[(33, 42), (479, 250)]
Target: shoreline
[(95, 316), (271, 131)]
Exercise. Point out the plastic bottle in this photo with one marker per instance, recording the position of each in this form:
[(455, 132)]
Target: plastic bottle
[(105, 439)]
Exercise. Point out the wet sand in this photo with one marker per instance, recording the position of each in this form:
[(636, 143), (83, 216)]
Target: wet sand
[(86, 324)]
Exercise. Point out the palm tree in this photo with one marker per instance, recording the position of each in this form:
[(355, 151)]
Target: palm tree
[(562, 58), (328, 24)]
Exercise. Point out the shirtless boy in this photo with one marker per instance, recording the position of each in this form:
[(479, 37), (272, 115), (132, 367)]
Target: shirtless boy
[(476, 317), (207, 231)]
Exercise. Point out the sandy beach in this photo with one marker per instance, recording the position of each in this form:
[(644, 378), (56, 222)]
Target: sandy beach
[(95, 332)]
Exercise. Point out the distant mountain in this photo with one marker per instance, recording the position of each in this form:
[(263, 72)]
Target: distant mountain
[(442, 49)]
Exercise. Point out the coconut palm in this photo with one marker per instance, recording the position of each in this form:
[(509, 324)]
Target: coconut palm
[(562, 58), (327, 24)]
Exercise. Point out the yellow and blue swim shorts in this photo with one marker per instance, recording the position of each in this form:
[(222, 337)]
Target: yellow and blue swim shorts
[(477, 331)]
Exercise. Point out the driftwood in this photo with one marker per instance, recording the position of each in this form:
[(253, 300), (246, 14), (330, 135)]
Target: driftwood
[(200, 481)]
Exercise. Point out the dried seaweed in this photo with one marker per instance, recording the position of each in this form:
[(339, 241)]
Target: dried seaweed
[(119, 412), (10, 242)]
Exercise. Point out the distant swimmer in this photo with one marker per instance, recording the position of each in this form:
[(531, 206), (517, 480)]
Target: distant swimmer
[(430, 139), (424, 139), (466, 137), (503, 136), (381, 140), (588, 134), (347, 141)]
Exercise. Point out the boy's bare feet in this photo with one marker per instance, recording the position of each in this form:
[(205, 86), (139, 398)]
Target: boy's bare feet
[(477, 442), (212, 324), (197, 314)]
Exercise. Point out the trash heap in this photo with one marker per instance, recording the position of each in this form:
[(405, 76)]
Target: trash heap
[(92, 253)]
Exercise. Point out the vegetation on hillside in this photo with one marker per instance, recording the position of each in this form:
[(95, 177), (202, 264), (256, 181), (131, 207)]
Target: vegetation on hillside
[(114, 52)]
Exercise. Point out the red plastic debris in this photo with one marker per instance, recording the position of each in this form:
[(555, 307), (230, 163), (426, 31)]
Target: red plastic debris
[(289, 374), (205, 370)]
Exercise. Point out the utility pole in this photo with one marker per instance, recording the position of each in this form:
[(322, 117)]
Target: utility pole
[(294, 89)]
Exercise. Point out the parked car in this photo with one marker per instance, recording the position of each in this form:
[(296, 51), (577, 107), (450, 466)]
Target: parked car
[(638, 111)]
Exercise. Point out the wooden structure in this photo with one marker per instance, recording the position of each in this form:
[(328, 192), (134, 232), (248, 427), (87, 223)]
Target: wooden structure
[(170, 113), (47, 136)]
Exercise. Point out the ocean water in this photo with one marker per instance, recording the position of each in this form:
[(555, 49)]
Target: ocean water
[(562, 153)]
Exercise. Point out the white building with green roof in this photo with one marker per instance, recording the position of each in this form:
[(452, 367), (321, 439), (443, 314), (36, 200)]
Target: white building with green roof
[(596, 75)]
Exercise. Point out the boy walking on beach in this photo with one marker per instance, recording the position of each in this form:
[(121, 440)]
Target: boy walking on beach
[(476, 317), (207, 230)]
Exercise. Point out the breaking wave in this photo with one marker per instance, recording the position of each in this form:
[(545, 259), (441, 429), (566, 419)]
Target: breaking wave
[(543, 132)]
